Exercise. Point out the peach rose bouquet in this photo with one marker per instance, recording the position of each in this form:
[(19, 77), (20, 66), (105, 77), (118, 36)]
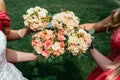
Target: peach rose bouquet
[(47, 43), (36, 18), (65, 21)]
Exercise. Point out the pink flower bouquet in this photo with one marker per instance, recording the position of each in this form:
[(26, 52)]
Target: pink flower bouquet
[(48, 43)]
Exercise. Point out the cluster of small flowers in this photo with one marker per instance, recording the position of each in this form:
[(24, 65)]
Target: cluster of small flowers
[(48, 42), (78, 39), (79, 42), (36, 18), (63, 35), (65, 21)]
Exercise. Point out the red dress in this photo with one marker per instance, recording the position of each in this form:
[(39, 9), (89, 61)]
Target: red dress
[(114, 53), (4, 19), (104, 75)]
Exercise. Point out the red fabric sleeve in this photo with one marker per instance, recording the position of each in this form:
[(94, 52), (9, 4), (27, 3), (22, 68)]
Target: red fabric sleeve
[(4, 20)]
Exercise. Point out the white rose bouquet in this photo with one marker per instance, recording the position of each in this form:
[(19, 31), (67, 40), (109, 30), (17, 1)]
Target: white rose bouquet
[(79, 42), (36, 18)]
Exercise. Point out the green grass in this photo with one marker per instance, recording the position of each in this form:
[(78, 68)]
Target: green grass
[(70, 68)]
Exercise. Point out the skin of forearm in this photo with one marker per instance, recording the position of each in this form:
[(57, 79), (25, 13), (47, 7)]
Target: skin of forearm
[(98, 26), (2, 5), (13, 34), (17, 56), (103, 62)]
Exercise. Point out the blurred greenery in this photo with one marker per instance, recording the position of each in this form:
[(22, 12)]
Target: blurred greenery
[(70, 68)]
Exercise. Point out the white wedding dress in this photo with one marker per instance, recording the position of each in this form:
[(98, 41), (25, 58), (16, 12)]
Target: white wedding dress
[(7, 70)]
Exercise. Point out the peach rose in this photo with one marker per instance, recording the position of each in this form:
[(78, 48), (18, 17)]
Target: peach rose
[(56, 53), (38, 49), (48, 44), (60, 35), (45, 53)]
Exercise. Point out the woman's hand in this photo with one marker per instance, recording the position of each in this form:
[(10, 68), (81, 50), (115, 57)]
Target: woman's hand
[(88, 26), (24, 32)]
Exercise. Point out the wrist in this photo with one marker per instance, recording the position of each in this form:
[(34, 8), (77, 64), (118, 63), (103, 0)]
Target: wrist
[(20, 34), (92, 51), (91, 47), (23, 32)]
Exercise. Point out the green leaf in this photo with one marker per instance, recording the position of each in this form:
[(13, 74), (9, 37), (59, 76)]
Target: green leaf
[(91, 31), (49, 25)]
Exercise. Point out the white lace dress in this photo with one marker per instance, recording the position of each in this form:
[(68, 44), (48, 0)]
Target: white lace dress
[(7, 70)]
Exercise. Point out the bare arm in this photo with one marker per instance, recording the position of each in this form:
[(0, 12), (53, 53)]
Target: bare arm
[(2, 5), (17, 34), (98, 27), (17, 56), (12, 34), (103, 62)]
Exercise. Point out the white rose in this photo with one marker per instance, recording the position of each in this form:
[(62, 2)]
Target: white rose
[(82, 42), (42, 14), (73, 39), (26, 23), (56, 46), (37, 8), (30, 11), (61, 50), (82, 31), (25, 17), (36, 20), (76, 49), (70, 27), (34, 26), (45, 11)]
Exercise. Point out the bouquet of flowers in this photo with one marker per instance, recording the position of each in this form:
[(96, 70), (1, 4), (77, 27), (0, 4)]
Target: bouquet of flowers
[(79, 42), (48, 43), (65, 21), (36, 18), (63, 34)]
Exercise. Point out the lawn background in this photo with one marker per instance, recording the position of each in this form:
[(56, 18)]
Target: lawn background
[(70, 68)]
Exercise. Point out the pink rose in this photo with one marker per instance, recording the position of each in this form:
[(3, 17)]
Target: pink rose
[(49, 32), (33, 43), (56, 53), (45, 53), (38, 49), (42, 35), (48, 44), (39, 44), (87, 39), (62, 43), (60, 35), (47, 37)]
